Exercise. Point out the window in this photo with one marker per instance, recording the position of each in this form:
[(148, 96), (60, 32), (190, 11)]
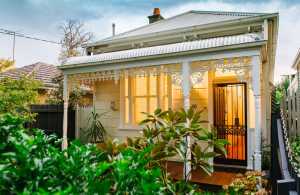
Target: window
[(143, 94)]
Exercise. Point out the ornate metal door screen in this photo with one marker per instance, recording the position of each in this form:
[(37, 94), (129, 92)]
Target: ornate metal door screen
[(230, 121)]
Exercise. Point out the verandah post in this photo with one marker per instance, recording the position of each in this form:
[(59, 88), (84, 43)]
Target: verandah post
[(186, 85), (65, 116), (256, 86)]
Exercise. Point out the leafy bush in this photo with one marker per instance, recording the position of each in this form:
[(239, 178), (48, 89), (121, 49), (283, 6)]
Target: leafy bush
[(167, 131), (32, 163), (295, 145), (295, 152), (249, 183), (17, 95)]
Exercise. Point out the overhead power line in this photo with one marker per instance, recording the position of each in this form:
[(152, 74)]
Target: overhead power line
[(16, 34)]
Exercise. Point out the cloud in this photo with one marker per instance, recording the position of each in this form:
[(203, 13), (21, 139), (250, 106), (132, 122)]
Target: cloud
[(41, 18)]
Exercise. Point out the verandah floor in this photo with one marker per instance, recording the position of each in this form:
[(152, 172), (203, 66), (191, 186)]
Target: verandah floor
[(217, 178)]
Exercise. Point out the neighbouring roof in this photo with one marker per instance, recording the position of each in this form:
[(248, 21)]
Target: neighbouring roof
[(166, 49), (184, 20), (41, 71)]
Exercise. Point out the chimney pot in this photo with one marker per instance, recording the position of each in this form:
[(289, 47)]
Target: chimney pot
[(156, 11), (156, 16)]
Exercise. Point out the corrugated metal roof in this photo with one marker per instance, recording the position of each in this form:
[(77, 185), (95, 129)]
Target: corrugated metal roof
[(166, 49), (41, 71), (187, 19)]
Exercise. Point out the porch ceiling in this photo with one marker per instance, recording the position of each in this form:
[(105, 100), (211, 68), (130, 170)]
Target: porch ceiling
[(163, 49)]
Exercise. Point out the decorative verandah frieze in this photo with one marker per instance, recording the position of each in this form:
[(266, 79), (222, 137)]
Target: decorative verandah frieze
[(238, 65)]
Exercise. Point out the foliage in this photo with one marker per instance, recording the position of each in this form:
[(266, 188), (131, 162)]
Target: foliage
[(249, 183), (295, 145), (17, 95), (74, 36), (6, 64), (281, 89), (95, 131), (56, 95), (31, 162), (295, 151), (168, 130)]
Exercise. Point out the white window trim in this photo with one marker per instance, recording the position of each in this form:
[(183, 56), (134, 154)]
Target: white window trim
[(160, 100)]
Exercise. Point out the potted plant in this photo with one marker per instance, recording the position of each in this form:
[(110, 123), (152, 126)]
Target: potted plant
[(95, 131)]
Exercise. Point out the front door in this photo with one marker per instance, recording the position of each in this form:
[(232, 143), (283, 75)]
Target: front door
[(230, 121)]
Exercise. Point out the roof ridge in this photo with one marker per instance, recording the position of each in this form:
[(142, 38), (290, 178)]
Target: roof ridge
[(228, 13)]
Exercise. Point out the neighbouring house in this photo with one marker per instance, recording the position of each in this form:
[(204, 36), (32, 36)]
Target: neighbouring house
[(222, 62), (292, 99), (48, 75), (45, 73)]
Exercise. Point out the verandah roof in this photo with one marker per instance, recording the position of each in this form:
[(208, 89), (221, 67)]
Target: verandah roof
[(166, 49)]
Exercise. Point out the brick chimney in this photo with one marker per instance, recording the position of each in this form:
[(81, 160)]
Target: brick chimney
[(156, 16)]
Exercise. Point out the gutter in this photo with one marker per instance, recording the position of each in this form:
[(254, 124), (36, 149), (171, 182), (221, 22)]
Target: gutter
[(212, 49)]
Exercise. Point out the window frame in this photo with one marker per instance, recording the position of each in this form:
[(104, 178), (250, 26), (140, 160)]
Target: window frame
[(147, 96), (160, 95)]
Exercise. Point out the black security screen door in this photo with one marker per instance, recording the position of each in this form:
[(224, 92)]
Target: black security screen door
[(230, 121)]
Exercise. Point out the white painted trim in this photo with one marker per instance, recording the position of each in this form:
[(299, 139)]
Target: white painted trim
[(266, 29), (65, 114), (210, 98), (186, 87), (256, 85)]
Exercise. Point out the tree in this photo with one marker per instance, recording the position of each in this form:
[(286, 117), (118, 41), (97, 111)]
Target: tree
[(6, 64), (17, 95), (74, 37), (56, 95)]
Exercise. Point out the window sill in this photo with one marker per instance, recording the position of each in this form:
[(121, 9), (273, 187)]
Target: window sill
[(130, 128)]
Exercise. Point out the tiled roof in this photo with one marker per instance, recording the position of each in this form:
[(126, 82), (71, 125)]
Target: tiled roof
[(41, 71), (184, 20), (166, 49)]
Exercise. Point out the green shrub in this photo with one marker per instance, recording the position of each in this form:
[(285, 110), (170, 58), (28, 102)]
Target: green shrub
[(167, 131), (249, 183), (32, 163), (295, 152), (17, 95)]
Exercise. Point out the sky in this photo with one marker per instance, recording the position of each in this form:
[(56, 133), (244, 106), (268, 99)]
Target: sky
[(41, 18)]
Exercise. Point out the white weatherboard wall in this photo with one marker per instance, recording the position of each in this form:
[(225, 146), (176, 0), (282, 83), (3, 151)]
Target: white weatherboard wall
[(83, 115), (107, 92)]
